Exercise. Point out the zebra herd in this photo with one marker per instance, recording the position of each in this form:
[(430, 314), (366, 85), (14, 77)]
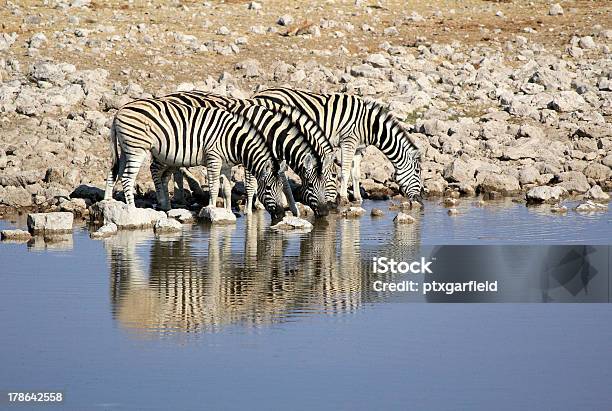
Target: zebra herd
[(276, 129)]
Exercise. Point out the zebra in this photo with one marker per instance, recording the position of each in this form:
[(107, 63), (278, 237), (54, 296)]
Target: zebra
[(183, 136), (300, 134), (350, 122)]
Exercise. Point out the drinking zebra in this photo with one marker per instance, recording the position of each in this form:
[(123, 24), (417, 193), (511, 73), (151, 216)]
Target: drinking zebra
[(183, 136), (350, 121), (293, 135)]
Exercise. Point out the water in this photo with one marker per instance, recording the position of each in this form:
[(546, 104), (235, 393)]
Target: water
[(239, 317)]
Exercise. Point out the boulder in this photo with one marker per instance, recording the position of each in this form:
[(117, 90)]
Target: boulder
[(167, 225), (459, 172), (573, 181), (403, 218), (50, 223), (106, 230), (181, 214), (545, 194), (595, 193), (124, 216), (528, 175), (598, 172), (504, 184), (567, 101), (292, 223), (15, 197), (217, 215), (15, 235)]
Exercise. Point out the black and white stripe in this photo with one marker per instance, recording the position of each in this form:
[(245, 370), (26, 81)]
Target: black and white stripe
[(293, 136), (349, 122), (178, 135)]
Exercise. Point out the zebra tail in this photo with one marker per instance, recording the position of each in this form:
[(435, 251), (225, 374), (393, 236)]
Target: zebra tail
[(114, 146)]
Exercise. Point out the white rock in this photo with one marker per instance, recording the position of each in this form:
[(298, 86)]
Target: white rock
[(591, 206), (223, 31), (587, 42), (353, 212), (106, 230), (285, 20), (292, 223), (595, 193), (378, 60), (125, 217), (181, 214), (254, 5), (545, 194), (217, 215), (403, 218), (44, 223), (15, 235), (555, 10), (167, 225)]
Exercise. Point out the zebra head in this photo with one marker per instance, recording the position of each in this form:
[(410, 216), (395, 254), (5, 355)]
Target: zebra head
[(273, 189), (408, 175), (318, 183)]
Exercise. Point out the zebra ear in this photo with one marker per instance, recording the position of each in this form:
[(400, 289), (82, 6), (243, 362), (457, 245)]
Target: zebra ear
[(328, 160), (309, 162), (267, 169), (282, 168), (417, 155)]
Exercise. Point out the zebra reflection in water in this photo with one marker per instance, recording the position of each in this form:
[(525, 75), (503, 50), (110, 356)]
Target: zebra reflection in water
[(205, 283)]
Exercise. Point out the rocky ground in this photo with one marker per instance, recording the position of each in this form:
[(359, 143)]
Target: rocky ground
[(502, 97)]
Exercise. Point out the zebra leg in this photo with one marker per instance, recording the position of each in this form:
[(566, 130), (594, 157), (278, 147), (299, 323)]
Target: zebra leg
[(113, 175), (356, 175), (226, 186), (348, 152), (158, 171), (133, 162), (166, 205), (179, 190), (226, 191), (250, 183), (213, 170), (194, 184)]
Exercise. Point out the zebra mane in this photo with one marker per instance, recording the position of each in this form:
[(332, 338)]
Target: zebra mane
[(389, 117)]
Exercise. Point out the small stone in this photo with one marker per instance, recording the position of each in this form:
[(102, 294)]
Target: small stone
[(181, 214), (254, 5), (591, 206), (555, 10), (217, 215), (452, 211), (377, 212), (587, 42), (353, 212), (223, 31), (285, 20), (403, 218), (15, 235), (167, 225), (292, 223), (45, 223), (450, 202), (558, 209), (106, 230)]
